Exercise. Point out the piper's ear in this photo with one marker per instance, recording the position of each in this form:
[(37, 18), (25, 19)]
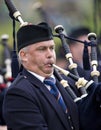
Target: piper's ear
[(23, 55)]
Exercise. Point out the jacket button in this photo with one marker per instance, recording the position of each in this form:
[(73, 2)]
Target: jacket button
[(72, 127), (25, 77), (69, 117)]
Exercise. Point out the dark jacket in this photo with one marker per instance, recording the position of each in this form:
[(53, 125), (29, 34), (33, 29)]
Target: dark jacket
[(2, 93), (90, 109), (28, 105)]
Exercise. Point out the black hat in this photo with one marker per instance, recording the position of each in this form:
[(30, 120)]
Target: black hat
[(77, 32), (31, 34)]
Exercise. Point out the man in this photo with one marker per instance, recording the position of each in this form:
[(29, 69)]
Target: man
[(28, 103)]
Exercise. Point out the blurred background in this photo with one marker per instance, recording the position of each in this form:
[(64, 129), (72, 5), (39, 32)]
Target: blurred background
[(69, 13)]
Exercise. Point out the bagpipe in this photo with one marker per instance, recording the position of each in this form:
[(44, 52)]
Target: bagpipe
[(89, 101), (80, 82)]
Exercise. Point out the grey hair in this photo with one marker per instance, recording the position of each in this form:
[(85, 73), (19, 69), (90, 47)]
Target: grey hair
[(25, 49)]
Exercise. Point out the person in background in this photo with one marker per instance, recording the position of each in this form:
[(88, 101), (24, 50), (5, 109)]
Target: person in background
[(77, 48), (33, 102), (5, 57)]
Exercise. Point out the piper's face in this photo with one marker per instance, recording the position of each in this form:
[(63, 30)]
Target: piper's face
[(39, 58)]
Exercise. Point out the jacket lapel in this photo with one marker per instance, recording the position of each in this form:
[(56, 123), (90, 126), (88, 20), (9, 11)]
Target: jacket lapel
[(36, 82)]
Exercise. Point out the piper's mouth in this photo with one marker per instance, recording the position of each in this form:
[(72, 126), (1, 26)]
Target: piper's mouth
[(51, 65)]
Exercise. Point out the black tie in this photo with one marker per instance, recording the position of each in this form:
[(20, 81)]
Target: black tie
[(54, 90)]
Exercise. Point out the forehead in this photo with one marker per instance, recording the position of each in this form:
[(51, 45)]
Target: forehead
[(44, 43)]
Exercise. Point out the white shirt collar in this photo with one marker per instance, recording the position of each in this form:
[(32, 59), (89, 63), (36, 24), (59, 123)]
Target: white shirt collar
[(41, 78)]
